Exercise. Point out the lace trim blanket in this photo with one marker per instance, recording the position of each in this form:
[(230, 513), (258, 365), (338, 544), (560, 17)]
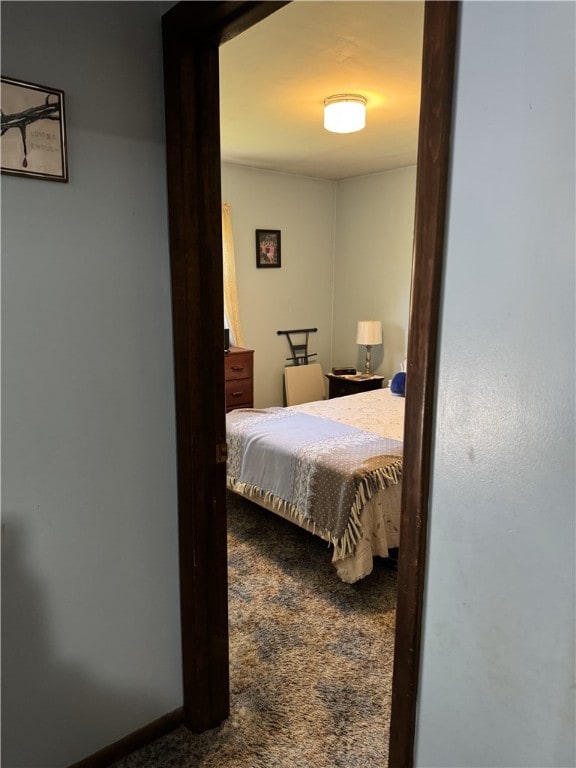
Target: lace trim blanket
[(312, 469)]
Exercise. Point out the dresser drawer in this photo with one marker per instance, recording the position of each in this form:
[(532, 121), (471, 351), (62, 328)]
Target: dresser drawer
[(239, 393), (238, 365)]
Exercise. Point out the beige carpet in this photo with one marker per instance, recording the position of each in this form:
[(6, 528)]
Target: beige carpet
[(310, 658)]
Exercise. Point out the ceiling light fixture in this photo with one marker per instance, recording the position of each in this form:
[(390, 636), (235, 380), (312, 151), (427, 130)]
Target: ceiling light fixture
[(345, 113)]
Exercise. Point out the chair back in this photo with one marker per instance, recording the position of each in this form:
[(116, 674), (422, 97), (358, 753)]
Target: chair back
[(304, 383)]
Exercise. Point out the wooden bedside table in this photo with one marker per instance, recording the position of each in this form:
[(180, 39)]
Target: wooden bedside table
[(338, 386)]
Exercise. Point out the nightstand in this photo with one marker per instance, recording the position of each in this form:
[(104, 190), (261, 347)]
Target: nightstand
[(338, 386)]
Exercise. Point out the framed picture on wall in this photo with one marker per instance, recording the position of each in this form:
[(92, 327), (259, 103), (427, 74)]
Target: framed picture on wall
[(32, 131), (268, 248)]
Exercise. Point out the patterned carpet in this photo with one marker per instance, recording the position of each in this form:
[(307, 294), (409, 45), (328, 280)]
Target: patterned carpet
[(310, 658)]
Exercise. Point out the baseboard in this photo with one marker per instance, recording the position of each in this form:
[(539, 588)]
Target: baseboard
[(140, 738)]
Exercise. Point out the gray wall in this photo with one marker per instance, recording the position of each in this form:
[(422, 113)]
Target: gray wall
[(373, 266), (90, 619), (497, 687)]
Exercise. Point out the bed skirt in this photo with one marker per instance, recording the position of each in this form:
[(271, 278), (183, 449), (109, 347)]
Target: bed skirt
[(379, 523)]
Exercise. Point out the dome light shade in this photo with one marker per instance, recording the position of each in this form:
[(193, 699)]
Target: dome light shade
[(344, 113)]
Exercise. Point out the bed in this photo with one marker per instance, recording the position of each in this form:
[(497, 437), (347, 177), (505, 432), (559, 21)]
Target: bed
[(333, 467)]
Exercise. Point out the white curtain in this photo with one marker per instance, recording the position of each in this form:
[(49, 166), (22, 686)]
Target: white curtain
[(231, 310)]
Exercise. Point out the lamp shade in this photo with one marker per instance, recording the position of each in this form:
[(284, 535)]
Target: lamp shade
[(369, 332), (345, 113)]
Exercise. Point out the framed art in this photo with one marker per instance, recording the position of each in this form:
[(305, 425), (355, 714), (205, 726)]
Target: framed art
[(268, 248), (32, 131)]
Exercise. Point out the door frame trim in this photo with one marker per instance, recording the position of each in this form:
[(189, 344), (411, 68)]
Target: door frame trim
[(192, 33), (438, 65)]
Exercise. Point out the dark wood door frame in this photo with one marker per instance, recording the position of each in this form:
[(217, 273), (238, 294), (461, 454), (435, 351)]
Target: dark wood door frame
[(438, 63), (193, 32)]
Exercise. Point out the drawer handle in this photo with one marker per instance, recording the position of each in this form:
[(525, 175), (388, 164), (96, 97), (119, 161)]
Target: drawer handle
[(237, 394), (237, 367)]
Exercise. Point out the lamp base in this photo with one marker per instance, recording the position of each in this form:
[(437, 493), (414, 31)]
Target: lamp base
[(368, 360)]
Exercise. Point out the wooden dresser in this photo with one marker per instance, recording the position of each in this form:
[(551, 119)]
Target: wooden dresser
[(239, 374)]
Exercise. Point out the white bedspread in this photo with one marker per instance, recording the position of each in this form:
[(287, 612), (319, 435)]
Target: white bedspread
[(378, 411), (319, 470), (374, 525)]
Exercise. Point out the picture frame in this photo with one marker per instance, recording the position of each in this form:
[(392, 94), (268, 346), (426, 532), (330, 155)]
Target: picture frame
[(32, 131), (268, 248)]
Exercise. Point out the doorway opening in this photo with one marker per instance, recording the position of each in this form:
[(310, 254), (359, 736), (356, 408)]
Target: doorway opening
[(193, 32)]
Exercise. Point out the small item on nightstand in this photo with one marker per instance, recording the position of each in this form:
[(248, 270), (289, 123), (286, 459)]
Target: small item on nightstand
[(343, 371)]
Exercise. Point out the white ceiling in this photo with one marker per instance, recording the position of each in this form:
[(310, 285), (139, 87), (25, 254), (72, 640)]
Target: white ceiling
[(275, 76)]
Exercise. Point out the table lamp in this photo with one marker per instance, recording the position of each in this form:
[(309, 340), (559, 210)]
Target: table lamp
[(369, 333)]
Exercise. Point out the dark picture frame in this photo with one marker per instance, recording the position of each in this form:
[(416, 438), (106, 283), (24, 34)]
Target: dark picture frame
[(268, 248), (33, 131)]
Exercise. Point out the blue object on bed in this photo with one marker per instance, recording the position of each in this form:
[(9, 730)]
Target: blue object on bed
[(398, 384)]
